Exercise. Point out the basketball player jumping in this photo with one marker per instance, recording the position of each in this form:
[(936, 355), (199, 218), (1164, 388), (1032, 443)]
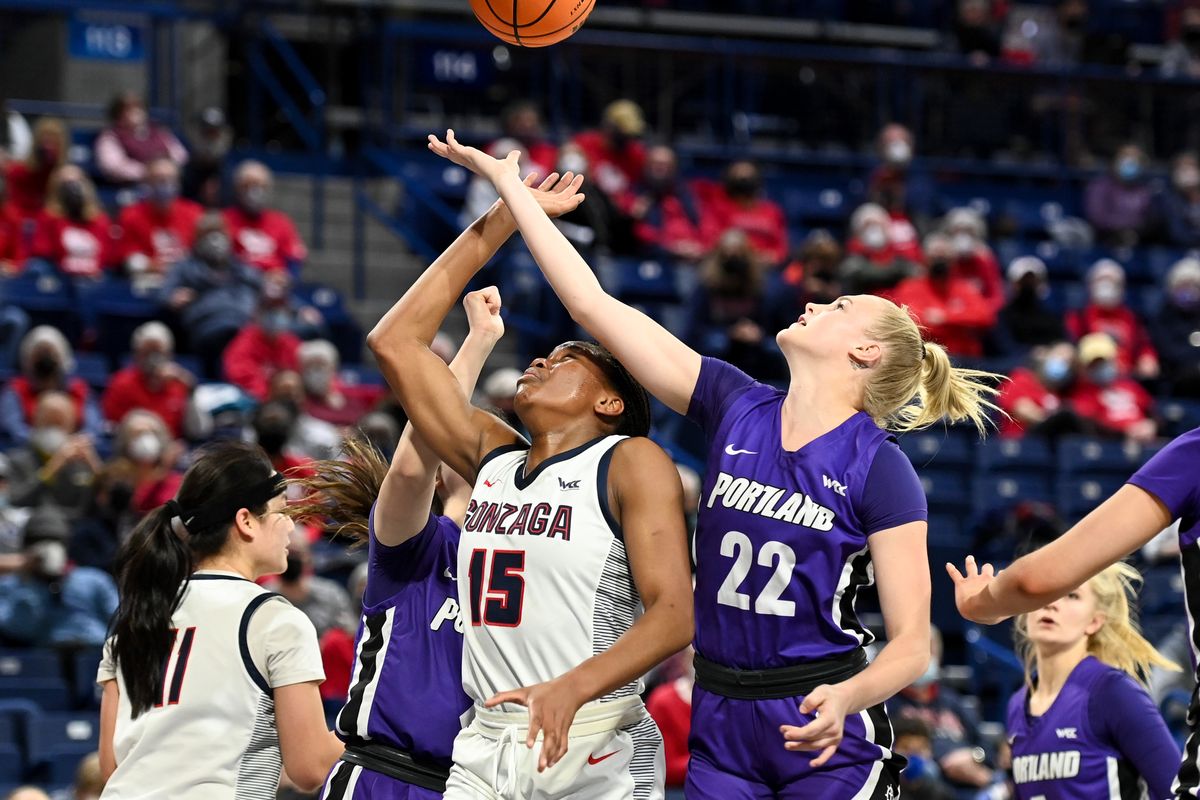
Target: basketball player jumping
[(565, 538), (1166, 489), (806, 500), (406, 702)]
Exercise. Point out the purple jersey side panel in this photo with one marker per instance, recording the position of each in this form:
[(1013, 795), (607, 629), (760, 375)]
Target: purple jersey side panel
[(1065, 755), (781, 541), (406, 689)]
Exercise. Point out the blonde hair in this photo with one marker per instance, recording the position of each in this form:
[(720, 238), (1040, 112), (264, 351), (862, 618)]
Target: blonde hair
[(91, 204), (55, 127), (1119, 642), (915, 385)]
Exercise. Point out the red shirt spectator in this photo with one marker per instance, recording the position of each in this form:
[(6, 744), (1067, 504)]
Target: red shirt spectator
[(81, 248), (952, 309), (981, 268), (739, 203), (1024, 386), (254, 356), (132, 388), (162, 235), (12, 245), (326, 396), (1117, 407), (27, 188), (665, 212), (1119, 322), (149, 495), (670, 705), (616, 158), (267, 240), (337, 656), (23, 388)]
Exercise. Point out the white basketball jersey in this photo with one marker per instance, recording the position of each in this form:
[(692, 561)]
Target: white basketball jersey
[(543, 577), (212, 734)]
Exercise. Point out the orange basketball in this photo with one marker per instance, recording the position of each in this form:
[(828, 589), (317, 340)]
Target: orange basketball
[(532, 23)]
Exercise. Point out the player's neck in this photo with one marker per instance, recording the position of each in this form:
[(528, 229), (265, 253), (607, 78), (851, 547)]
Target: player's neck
[(228, 563), (1054, 666), (547, 444), (814, 405)]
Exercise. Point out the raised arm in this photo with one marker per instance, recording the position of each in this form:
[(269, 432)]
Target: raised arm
[(407, 490), (435, 403), (667, 367), (647, 498)]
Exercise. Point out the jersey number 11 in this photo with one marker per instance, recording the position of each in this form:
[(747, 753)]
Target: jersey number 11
[(173, 679)]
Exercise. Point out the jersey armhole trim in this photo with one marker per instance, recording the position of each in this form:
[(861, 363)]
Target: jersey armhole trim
[(499, 451), (602, 492), (244, 641)]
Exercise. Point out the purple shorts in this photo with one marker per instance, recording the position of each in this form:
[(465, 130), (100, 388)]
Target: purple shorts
[(737, 753), (350, 782)]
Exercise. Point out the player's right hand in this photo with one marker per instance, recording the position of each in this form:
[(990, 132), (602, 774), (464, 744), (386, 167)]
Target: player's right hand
[(970, 586), (552, 706), (483, 312)]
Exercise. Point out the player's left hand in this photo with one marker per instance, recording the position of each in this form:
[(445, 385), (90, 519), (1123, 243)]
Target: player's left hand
[(475, 159), (969, 586), (829, 703), (552, 706)]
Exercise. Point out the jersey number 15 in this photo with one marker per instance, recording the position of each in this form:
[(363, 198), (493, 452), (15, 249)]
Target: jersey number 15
[(498, 602)]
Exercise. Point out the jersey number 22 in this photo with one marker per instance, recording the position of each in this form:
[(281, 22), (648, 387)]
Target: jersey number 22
[(737, 545)]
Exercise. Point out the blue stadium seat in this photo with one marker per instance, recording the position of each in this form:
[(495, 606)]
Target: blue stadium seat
[(48, 299), (1083, 455), (937, 449), (1180, 416), (119, 310), (946, 531), (12, 752), (49, 694), (1077, 497), (1028, 455), (60, 739), (1005, 490), (946, 490), (1161, 592), (84, 663), (93, 368), (22, 663), (645, 280), (344, 331)]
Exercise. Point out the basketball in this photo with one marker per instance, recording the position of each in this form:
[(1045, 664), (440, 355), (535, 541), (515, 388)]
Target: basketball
[(532, 23)]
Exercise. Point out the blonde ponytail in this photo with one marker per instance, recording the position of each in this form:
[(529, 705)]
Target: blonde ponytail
[(915, 385), (1119, 642)]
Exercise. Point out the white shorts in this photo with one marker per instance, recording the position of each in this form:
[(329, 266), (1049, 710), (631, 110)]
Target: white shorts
[(614, 750)]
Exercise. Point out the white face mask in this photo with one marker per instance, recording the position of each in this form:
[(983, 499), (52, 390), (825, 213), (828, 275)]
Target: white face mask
[(47, 440), (964, 243), (573, 162), (874, 237), (898, 152), (317, 381), (1107, 294), (145, 448)]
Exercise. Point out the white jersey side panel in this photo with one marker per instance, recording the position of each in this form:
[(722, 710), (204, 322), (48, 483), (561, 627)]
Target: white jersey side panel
[(543, 577), (213, 734)]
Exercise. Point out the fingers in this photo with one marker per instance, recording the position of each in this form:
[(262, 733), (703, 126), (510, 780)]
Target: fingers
[(955, 575), (812, 733), (549, 182), (512, 696), (813, 701), (987, 571), (535, 726), (530, 179), (554, 747), (826, 754)]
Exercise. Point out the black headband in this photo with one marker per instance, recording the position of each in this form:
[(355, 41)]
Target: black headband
[(220, 510)]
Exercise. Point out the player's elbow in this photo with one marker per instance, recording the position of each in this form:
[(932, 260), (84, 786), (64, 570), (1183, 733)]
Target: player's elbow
[(309, 774), (680, 625)]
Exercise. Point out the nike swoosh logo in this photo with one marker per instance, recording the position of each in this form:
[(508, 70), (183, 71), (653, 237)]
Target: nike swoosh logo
[(733, 451), (490, 484), (448, 575), (594, 761)]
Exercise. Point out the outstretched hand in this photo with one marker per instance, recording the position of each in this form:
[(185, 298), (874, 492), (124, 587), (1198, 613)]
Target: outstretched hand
[(969, 586), (483, 312)]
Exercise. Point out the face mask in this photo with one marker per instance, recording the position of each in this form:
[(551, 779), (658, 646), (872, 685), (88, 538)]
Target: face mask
[(294, 571), (50, 559), (214, 248), (573, 162), (874, 237), (47, 155), (741, 187), (276, 322), (1107, 294), (164, 193), (1186, 297), (1103, 374), (939, 269), (660, 184), (153, 363), (45, 367), (1128, 169), (1186, 177), (898, 152), (145, 448), (1055, 371), (48, 440), (317, 381), (253, 200), (964, 243), (272, 441), (736, 266), (70, 194), (929, 676)]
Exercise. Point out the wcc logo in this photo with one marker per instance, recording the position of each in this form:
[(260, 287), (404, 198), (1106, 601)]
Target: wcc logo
[(830, 483), (565, 485)]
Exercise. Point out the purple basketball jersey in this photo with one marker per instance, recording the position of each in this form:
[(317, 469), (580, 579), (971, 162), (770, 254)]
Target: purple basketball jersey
[(781, 539), (1101, 737), (406, 689)]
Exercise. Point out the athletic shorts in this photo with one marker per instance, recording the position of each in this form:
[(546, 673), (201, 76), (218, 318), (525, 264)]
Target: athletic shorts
[(737, 753), (614, 752), (348, 781)]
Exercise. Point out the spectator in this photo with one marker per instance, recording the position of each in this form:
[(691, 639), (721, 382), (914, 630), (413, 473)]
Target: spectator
[(500, 392), (481, 195), (338, 646), (323, 601), (46, 365), (16, 140), (727, 305), (1112, 403), (810, 277), (739, 204), (143, 441), (310, 437), (1181, 58), (12, 518), (264, 346), (873, 264), (1067, 40), (56, 467), (953, 311), (521, 121), (107, 519), (905, 192), (597, 225), (125, 149), (670, 705), (973, 259), (51, 602), (211, 141), (1179, 204), (1027, 321), (975, 32), (158, 232), (615, 154), (274, 428), (1118, 204), (1106, 312), (665, 212), (1034, 398), (29, 179), (957, 747), (212, 294), (382, 431), (1175, 329), (262, 236), (921, 778), (73, 234), (12, 234), (327, 397), (89, 780), (153, 381)]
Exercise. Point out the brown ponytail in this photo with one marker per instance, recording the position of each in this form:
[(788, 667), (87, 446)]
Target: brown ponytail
[(339, 493)]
